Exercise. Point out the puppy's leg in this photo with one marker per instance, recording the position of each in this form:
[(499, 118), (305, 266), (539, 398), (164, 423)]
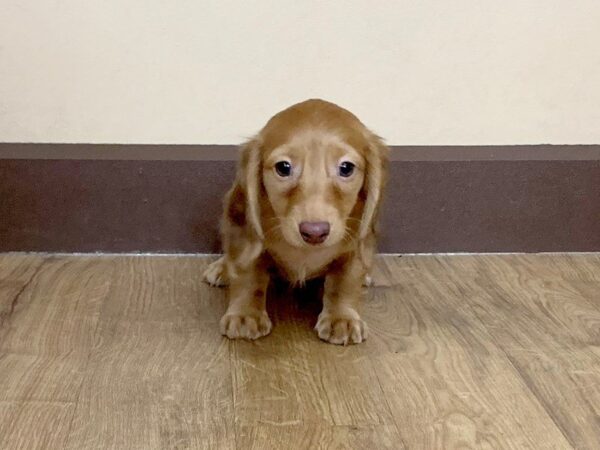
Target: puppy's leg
[(340, 322), (246, 315), (216, 273)]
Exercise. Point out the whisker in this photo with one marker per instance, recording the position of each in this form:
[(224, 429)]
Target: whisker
[(352, 220), (348, 235)]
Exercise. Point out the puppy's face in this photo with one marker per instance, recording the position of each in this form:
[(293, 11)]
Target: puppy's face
[(313, 181), (313, 176)]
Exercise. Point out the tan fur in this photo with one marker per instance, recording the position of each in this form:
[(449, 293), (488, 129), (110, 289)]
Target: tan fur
[(260, 227)]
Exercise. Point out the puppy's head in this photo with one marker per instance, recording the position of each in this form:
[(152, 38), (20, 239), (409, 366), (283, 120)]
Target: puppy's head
[(313, 176)]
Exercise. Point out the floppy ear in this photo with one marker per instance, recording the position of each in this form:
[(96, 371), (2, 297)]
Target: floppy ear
[(249, 179), (377, 155)]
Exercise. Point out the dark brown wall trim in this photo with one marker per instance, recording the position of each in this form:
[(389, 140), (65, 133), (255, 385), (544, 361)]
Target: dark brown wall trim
[(158, 152), (167, 198)]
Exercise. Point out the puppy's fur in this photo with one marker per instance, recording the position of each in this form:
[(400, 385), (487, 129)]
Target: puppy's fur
[(264, 210)]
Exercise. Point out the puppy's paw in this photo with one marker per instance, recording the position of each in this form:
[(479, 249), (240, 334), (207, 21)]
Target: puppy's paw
[(341, 329), (368, 281), (247, 325), (216, 274)]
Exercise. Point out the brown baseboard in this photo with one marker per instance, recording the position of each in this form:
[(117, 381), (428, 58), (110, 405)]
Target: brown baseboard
[(167, 198)]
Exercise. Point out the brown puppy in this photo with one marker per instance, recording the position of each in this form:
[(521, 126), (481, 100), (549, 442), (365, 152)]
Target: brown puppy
[(304, 201)]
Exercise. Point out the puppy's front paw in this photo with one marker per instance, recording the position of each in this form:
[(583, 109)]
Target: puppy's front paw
[(216, 273), (248, 325), (341, 329)]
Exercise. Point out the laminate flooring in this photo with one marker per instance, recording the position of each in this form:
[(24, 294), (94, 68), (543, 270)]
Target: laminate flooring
[(124, 352)]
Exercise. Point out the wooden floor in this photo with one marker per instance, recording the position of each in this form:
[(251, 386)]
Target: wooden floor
[(464, 352)]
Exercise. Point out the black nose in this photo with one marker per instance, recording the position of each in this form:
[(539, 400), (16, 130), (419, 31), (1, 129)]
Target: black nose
[(314, 232)]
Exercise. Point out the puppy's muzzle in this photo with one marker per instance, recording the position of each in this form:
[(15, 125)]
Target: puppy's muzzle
[(314, 232)]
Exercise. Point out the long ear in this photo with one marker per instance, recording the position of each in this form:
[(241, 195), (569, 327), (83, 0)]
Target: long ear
[(377, 156), (249, 178)]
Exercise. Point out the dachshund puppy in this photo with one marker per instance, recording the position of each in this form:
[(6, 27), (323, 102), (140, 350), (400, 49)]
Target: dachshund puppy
[(304, 203)]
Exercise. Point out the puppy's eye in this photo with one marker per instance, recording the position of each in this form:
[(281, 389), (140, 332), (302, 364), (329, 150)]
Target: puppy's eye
[(283, 168), (346, 169)]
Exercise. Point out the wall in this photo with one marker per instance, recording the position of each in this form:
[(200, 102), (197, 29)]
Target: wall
[(418, 72)]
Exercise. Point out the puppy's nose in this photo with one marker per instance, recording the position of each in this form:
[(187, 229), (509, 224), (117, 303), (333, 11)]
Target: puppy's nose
[(314, 232)]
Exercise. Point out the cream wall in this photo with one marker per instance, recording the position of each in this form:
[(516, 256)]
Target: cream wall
[(417, 72)]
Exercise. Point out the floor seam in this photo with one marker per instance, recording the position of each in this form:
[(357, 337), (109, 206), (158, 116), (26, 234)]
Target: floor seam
[(378, 378), (87, 364), (233, 405)]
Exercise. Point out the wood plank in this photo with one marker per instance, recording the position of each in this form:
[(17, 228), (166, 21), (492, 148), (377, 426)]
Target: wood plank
[(159, 376), (34, 425), (48, 338), (164, 288), (45, 344), (546, 329), (16, 271), (314, 436), (449, 386), (293, 378), (553, 289), (58, 312)]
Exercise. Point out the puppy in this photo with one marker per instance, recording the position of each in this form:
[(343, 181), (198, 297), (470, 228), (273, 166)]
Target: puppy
[(304, 203)]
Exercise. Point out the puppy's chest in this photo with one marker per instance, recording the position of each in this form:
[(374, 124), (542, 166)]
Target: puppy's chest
[(298, 264)]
